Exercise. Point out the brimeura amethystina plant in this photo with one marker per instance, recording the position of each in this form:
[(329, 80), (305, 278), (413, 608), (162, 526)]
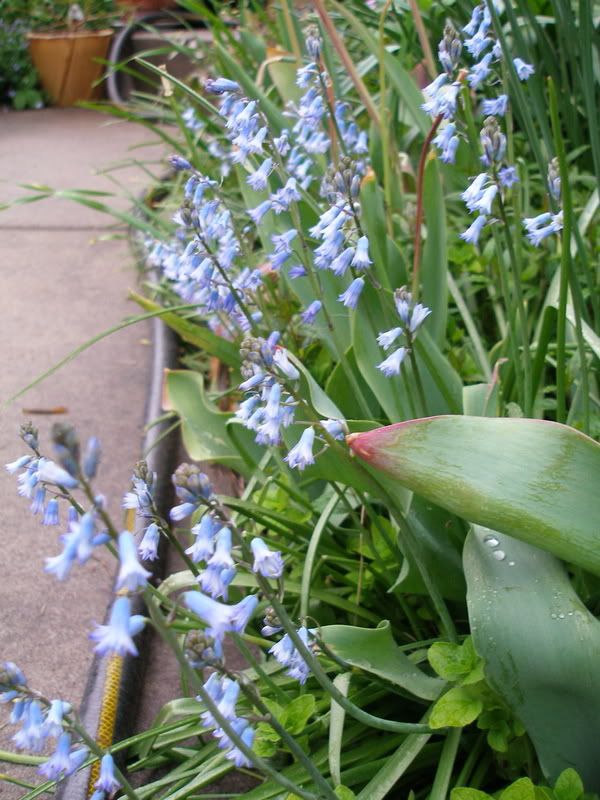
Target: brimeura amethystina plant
[(315, 257)]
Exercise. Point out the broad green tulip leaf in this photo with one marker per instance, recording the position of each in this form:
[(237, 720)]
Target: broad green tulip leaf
[(441, 537), (534, 480), (203, 427), (540, 646), (339, 389), (374, 650)]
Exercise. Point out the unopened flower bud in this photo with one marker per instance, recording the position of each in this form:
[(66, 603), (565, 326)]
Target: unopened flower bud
[(29, 434), (313, 42), (271, 623), (449, 48), (493, 141), (554, 179), (66, 446), (200, 650)]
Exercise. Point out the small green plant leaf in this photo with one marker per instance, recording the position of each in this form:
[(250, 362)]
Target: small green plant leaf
[(569, 785), (466, 793), (523, 789), (295, 715), (266, 741), (344, 793), (497, 740), (453, 661), (455, 709)]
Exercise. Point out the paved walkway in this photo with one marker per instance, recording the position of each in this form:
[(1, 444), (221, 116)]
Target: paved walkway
[(64, 276)]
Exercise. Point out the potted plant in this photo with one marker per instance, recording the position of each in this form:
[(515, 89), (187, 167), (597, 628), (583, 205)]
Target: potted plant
[(68, 45)]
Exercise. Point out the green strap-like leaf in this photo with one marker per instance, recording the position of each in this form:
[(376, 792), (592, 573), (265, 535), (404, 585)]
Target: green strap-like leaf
[(374, 650)]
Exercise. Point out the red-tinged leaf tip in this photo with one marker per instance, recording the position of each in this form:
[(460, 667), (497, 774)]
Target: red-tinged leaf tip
[(373, 446), (361, 444)]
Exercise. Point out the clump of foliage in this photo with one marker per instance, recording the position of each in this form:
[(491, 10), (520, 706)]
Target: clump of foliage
[(18, 77), (396, 277)]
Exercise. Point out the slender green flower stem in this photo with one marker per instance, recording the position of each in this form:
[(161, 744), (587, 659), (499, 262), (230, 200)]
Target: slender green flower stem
[(318, 289), (321, 676), (521, 311), (416, 269), (335, 132), (417, 374), (4, 778), (467, 768), (99, 752), (18, 758), (197, 686), (510, 310), (411, 543), (385, 128), (326, 790), (472, 134), (228, 281), (291, 32), (346, 60), (443, 775), (566, 278), (248, 655)]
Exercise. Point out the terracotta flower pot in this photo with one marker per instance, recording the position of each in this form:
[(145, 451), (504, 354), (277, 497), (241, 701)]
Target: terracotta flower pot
[(66, 63)]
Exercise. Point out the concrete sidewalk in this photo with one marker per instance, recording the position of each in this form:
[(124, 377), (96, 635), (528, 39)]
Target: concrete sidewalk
[(64, 275)]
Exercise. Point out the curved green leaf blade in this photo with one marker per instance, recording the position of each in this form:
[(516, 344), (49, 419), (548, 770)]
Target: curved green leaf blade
[(203, 428), (540, 646), (374, 650), (535, 480), (336, 728)]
